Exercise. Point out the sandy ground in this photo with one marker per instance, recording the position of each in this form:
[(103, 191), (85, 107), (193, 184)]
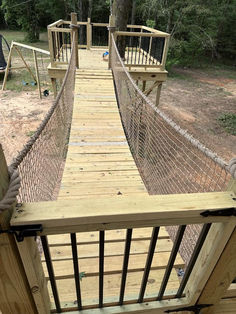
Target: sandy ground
[(196, 102), (20, 115)]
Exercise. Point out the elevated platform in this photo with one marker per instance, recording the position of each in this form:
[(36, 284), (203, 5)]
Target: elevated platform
[(99, 164)]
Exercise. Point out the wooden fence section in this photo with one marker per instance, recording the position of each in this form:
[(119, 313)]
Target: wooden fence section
[(99, 215)]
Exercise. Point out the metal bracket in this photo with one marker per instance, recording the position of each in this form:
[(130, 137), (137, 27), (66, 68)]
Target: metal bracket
[(220, 212), (21, 232), (196, 309)]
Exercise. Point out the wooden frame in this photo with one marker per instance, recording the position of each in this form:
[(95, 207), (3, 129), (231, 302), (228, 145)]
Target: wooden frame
[(36, 78)]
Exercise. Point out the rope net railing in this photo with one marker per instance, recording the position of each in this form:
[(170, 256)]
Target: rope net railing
[(169, 160), (40, 163)]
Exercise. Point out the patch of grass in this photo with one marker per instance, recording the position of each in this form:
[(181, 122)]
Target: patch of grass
[(20, 37), (16, 79), (30, 133), (228, 122)]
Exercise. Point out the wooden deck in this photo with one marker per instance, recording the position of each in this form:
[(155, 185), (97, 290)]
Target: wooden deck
[(99, 164)]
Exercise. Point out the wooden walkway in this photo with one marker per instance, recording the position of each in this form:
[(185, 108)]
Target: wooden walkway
[(99, 164)]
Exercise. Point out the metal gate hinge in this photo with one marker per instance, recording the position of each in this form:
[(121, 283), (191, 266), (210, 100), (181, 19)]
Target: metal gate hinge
[(21, 232), (195, 308), (220, 212)]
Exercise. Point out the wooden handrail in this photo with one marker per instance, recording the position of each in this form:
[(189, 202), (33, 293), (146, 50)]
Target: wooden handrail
[(124, 212)]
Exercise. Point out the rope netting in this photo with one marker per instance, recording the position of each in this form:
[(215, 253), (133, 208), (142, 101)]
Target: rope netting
[(168, 158), (41, 161)]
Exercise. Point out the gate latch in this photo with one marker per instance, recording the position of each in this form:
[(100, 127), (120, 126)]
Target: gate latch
[(196, 309), (21, 232), (220, 212)]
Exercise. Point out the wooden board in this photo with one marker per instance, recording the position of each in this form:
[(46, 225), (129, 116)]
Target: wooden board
[(99, 164)]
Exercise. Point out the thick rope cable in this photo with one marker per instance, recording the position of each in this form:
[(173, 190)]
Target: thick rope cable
[(231, 167), (12, 191), (27, 147)]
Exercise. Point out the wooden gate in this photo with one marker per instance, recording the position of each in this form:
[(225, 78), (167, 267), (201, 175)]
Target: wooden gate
[(205, 287)]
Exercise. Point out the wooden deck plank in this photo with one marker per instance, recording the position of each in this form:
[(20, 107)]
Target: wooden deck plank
[(99, 164)]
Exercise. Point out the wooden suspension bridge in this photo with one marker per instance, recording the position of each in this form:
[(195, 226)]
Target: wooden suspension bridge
[(103, 200)]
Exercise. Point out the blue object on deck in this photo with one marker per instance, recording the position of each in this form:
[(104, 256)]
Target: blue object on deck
[(105, 54)]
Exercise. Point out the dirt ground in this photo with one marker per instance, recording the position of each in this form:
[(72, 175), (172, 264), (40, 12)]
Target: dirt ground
[(20, 115), (195, 99), (192, 98)]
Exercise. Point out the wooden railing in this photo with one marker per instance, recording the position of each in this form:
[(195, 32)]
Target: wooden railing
[(145, 47)]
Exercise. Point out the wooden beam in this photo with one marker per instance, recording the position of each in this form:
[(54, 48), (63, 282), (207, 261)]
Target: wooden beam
[(14, 43), (7, 68), (75, 32), (25, 63), (37, 73), (15, 294), (123, 212), (150, 89), (153, 307), (30, 257), (221, 277), (140, 34), (89, 34)]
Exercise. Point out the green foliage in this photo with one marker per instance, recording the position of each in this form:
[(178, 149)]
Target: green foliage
[(150, 23), (199, 28), (228, 122)]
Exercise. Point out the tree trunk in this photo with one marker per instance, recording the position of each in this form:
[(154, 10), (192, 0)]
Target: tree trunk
[(133, 12), (121, 11), (90, 8)]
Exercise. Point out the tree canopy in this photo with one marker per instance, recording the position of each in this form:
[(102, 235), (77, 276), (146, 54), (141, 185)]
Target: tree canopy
[(198, 28)]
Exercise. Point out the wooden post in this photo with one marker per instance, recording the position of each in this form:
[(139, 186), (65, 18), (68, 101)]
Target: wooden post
[(75, 32), (37, 73), (7, 68), (89, 34), (164, 56), (224, 272), (54, 86), (111, 30), (50, 44), (158, 93), (15, 294)]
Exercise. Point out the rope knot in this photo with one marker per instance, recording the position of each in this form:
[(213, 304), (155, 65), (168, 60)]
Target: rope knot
[(73, 26), (232, 167)]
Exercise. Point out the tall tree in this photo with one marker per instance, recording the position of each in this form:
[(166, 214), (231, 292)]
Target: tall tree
[(121, 11)]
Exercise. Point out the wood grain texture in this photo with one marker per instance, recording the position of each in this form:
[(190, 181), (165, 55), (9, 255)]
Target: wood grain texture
[(15, 295)]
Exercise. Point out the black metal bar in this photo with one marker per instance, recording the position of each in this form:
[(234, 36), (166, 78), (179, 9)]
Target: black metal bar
[(171, 261), (125, 265), (197, 249), (48, 260), (139, 48), (76, 269), (136, 47), (128, 50), (132, 55), (101, 266), (151, 251)]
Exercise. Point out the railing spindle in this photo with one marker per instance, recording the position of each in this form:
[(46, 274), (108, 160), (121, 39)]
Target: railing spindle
[(171, 261), (197, 249), (101, 266), (125, 264), (76, 269), (148, 263), (51, 273)]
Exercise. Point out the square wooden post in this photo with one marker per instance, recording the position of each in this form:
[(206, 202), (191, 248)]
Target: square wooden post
[(15, 294), (89, 34), (75, 32)]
